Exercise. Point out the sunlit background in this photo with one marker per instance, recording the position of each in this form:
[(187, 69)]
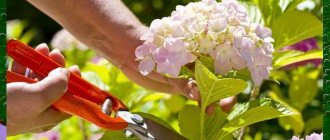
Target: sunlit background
[(31, 26)]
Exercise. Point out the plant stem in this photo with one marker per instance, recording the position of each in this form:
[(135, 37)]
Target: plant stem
[(254, 95), (241, 135), (202, 122)]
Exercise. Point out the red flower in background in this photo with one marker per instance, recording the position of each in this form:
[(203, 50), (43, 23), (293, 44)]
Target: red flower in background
[(304, 46)]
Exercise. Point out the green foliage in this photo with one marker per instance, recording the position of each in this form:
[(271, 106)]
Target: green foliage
[(286, 58), (269, 10), (294, 97), (189, 121), (252, 112), (294, 26), (303, 88), (301, 92), (213, 89)]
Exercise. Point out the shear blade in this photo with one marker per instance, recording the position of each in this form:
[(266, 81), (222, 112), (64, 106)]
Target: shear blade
[(160, 132)]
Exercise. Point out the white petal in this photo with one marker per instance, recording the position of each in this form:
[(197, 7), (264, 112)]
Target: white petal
[(238, 63), (144, 50), (171, 69), (146, 66), (174, 45)]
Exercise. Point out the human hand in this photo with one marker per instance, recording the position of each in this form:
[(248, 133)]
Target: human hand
[(28, 105)]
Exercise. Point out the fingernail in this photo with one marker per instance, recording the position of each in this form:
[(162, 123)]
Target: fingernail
[(56, 50), (43, 44), (75, 67), (65, 72), (195, 93), (210, 109), (191, 83)]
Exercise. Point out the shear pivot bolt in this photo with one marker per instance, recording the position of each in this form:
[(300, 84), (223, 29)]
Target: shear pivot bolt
[(137, 118)]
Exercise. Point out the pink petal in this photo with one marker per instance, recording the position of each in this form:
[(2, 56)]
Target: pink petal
[(186, 58), (174, 45), (263, 32), (315, 136), (146, 66), (222, 68), (295, 138), (160, 55), (155, 25), (238, 63), (144, 50), (171, 69)]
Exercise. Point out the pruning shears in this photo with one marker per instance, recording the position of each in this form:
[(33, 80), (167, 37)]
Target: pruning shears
[(85, 100)]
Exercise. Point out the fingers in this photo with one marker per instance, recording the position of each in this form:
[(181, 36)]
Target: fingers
[(194, 91), (51, 88), (227, 104), (57, 57), (210, 109), (75, 69), (18, 68), (51, 117), (43, 49)]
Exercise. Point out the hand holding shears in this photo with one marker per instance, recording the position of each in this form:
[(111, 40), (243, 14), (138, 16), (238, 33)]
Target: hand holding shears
[(84, 99)]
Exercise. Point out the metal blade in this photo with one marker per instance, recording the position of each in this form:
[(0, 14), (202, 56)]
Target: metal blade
[(160, 132)]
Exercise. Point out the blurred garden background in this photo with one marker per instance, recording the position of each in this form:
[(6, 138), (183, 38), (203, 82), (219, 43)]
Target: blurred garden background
[(298, 86)]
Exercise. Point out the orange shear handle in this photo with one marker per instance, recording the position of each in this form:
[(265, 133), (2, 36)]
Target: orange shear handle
[(82, 98), (74, 105), (42, 65)]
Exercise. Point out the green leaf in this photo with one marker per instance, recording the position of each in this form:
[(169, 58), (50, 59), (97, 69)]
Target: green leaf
[(269, 10), (93, 78), (294, 122), (296, 57), (189, 122), (253, 12), (253, 112), (294, 26), (213, 123), (283, 55), (314, 123), (213, 89), (207, 62), (186, 73), (102, 70), (175, 103), (303, 89), (264, 8), (118, 135), (293, 5)]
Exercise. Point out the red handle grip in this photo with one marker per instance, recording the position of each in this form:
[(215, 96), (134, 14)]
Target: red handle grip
[(74, 105), (42, 65)]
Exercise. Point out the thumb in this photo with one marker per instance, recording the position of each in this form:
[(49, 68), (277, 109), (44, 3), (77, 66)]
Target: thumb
[(52, 87)]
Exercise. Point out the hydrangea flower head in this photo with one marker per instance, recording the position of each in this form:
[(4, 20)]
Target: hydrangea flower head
[(219, 30), (313, 136)]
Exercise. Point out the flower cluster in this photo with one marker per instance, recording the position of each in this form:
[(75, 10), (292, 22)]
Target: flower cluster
[(313, 136), (221, 31)]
